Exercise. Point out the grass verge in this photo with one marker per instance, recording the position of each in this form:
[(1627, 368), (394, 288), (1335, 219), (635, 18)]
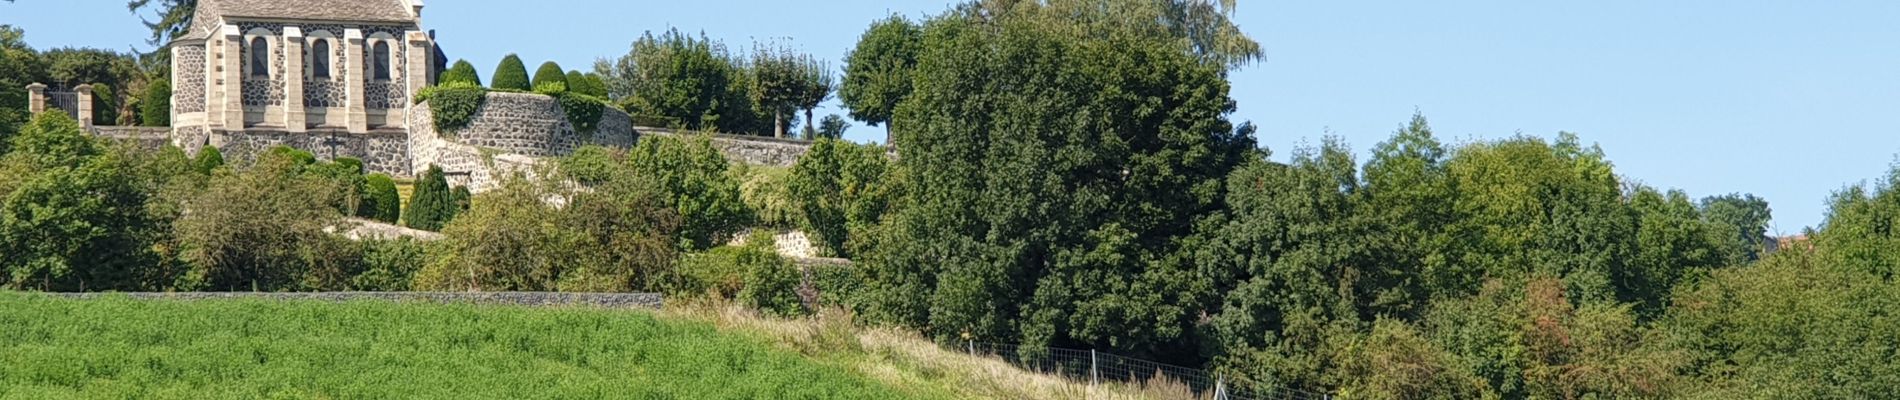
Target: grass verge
[(122, 348)]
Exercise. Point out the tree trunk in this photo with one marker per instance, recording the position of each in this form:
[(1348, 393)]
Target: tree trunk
[(778, 124), (808, 127)]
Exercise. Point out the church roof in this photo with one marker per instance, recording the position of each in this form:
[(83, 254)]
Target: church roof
[(208, 12)]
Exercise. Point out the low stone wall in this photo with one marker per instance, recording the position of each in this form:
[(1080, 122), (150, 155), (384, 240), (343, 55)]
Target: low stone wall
[(150, 137), (537, 299), (385, 151), (754, 150)]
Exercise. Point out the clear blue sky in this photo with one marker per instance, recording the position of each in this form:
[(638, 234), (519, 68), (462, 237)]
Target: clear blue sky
[(1787, 100)]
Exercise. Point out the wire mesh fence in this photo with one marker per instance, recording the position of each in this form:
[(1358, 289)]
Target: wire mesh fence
[(1094, 368)]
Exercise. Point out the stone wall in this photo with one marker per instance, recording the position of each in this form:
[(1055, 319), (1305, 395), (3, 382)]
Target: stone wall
[(385, 151), (142, 136), (754, 150)]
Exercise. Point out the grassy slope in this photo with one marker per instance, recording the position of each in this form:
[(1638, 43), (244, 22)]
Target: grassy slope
[(120, 348)]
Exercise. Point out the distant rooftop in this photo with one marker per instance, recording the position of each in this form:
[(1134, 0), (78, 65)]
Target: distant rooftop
[(372, 11)]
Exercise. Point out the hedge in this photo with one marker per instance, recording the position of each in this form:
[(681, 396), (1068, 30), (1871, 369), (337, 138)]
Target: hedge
[(452, 105), (461, 73), (382, 202), (583, 111), (550, 73)]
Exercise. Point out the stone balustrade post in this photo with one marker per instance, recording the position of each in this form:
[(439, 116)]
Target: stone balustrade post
[(36, 98), (293, 80), (417, 64), (84, 105), (356, 109), (231, 78)]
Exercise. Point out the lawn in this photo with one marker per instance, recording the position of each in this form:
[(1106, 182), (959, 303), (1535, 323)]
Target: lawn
[(122, 348)]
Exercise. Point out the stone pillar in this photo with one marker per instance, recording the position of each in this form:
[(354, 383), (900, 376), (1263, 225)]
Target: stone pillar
[(36, 98), (416, 74), (293, 79), (356, 111), (84, 115), (231, 77)]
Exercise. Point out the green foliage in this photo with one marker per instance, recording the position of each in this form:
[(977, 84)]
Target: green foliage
[(780, 83), (593, 164), (322, 349), (174, 18), (432, 205), (462, 74), (511, 75), (463, 198), (390, 265), (610, 238), (105, 105), (381, 203), (691, 178), (679, 80), (877, 73), (838, 189), (832, 127), (550, 73), (452, 106), (74, 221), (209, 159), (1861, 226), (583, 111), (262, 228), (20, 65), (771, 282), (155, 109), (588, 84), (766, 190)]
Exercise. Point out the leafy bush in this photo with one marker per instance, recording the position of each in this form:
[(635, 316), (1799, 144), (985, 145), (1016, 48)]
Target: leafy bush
[(583, 111), (511, 75), (462, 73), (550, 73), (462, 198), (593, 164), (839, 190), (609, 238), (382, 203), (209, 158), (765, 190), (692, 177), (75, 222), (452, 106), (262, 228), (390, 265), (105, 105), (156, 108), (752, 273), (432, 205), (587, 84)]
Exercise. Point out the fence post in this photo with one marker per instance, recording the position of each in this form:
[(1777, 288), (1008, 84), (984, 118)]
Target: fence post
[(1094, 376), (1220, 386), (972, 347)]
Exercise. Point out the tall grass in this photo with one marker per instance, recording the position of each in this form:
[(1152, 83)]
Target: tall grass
[(121, 348)]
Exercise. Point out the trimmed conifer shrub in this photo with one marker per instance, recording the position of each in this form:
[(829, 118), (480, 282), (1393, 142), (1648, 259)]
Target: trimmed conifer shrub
[(209, 158), (432, 205), (463, 198), (550, 73), (511, 75), (382, 203), (462, 72), (155, 109)]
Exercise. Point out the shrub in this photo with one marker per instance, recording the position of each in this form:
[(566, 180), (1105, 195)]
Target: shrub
[(839, 190), (382, 202), (461, 73), (583, 111), (511, 75), (764, 190), (692, 177), (209, 158), (550, 73), (592, 164), (299, 157), (771, 282), (432, 205), (262, 228), (350, 164), (610, 238), (156, 108), (587, 84), (452, 106), (390, 265), (462, 198)]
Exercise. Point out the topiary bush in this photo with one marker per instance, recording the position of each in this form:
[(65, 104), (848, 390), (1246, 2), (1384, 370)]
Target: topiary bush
[(511, 75), (432, 205), (155, 109), (550, 73), (382, 203), (209, 159), (105, 105), (461, 73)]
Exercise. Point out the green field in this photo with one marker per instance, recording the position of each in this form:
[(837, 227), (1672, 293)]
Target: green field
[(123, 348)]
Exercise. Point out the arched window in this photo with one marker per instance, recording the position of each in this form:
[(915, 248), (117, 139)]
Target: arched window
[(320, 58), (260, 58), (380, 58)]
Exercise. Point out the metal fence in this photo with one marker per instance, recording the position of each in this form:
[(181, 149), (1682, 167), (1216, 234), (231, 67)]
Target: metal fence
[(1095, 368)]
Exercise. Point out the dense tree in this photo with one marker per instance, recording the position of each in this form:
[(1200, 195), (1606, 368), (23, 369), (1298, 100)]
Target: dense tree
[(511, 74), (209, 158), (74, 218), (674, 79), (262, 228), (1201, 27), (174, 18), (818, 83), (839, 188), (1861, 227), (432, 204), (691, 178), (877, 73), (589, 84), (1744, 218), (614, 237), (1051, 173), (832, 127), (780, 83)]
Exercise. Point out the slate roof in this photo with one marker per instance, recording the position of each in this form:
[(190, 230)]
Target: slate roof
[(204, 18)]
